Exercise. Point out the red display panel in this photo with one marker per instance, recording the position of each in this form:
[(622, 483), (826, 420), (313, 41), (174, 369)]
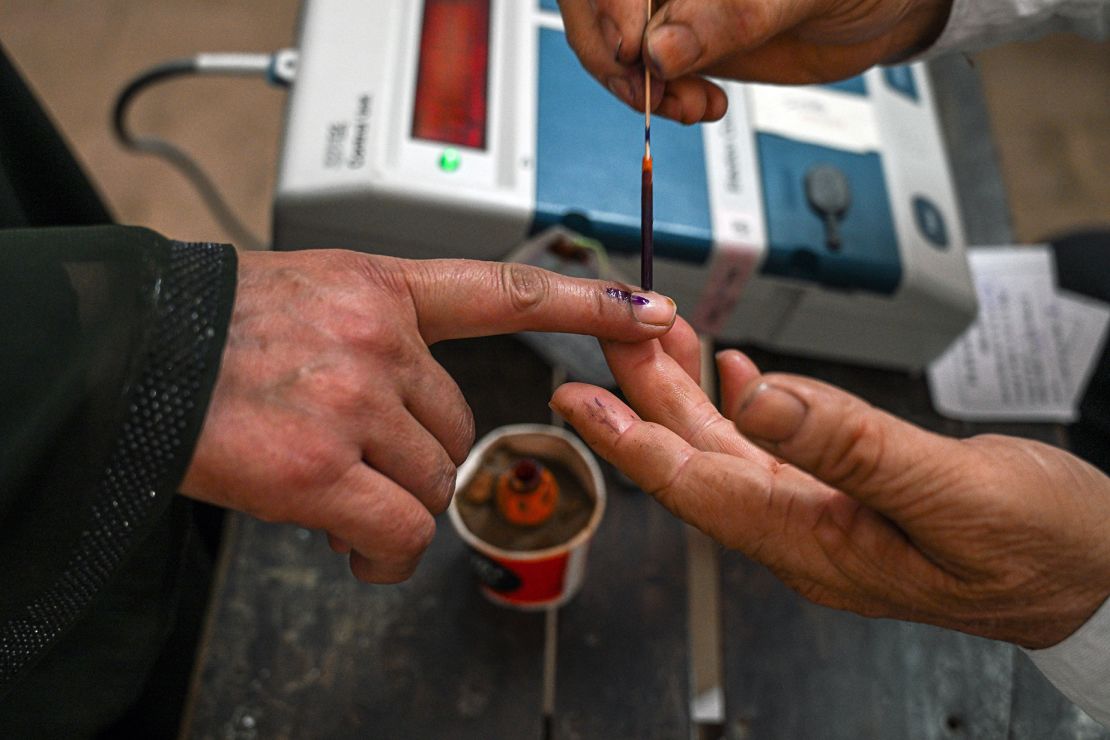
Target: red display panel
[(453, 74)]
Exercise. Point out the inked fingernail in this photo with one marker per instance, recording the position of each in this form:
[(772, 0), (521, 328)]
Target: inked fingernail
[(648, 307), (771, 414), (612, 35), (620, 87), (652, 308), (672, 49)]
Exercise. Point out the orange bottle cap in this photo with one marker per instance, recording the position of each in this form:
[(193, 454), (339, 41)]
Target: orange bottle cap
[(527, 493)]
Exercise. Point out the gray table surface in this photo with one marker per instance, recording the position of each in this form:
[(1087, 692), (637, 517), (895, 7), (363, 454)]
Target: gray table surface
[(297, 648)]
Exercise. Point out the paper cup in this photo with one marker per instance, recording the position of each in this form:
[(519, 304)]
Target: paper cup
[(532, 579)]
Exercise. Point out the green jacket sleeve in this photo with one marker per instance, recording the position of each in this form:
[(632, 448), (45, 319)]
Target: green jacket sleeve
[(112, 338)]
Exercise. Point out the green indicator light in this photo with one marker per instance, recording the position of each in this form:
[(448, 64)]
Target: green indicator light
[(450, 160)]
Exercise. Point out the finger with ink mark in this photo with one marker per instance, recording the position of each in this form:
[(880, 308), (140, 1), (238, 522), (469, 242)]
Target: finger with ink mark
[(598, 416), (648, 307), (600, 413)]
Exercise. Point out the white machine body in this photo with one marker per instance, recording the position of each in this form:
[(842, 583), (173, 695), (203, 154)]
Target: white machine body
[(461, 128)]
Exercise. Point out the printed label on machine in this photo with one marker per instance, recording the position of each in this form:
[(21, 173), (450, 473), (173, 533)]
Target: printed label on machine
[(739, 233), (826, 116)]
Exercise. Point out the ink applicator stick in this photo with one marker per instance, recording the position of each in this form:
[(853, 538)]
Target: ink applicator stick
[(646, 220), (647, 217)]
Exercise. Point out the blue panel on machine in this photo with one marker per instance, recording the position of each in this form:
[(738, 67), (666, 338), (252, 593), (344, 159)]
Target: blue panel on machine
[(854, 85), (900, 79), (867, 257), (552, 5), (588, 153)]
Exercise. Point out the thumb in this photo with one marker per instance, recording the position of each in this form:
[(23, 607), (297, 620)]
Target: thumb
[(689, 36), (469, 298), (886, 463)]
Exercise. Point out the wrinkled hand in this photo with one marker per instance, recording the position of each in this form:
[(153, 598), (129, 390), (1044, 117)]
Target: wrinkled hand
[(330, 412), (995, 536), (781, 41)]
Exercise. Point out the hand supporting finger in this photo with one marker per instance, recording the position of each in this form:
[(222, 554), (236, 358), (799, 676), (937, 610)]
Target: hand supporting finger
[(888, 464), (816, 539), (672, 467)]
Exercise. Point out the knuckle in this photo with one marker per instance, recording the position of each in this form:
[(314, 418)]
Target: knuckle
[(853, 457), (343, 388), (525, 287), (462, 439), (385, 272), (440, 488), (752, 25), (705, 425), (404, 530), (409, 530), (420, 536), (695, 111), (381, 571), (311, 465), (671, 491), (397, 561), (377, 334)]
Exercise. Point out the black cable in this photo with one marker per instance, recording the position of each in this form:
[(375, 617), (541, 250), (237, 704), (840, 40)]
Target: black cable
[(164, 71), (176, 157)]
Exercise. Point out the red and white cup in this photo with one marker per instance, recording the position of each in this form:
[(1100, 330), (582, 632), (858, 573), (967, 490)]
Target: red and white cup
[(532, 579)]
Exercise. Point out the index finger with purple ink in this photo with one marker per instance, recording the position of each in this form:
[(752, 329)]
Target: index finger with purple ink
[(456, 299)]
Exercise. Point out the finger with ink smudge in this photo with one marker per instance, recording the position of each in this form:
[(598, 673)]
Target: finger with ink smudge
[(648, 307)]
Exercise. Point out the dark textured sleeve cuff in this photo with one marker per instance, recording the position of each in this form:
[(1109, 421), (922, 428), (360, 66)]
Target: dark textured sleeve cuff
[(165, 405)]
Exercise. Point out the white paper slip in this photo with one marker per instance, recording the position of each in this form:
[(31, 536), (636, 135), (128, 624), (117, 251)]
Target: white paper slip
[(1030, 351), (1083, 327)]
